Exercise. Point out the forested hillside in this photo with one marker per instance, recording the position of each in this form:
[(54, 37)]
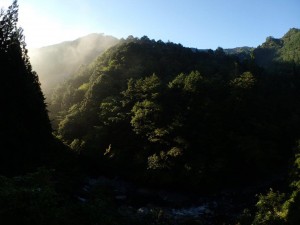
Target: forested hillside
[(37, 181), (183, 118), (57, 62), (281, 56), (223, 125), (167, 116)]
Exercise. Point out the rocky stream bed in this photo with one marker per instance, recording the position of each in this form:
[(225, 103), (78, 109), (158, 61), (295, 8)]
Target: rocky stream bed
[(171, 207)]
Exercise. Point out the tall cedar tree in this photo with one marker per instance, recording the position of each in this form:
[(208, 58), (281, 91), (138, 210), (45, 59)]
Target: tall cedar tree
[(25, 129)]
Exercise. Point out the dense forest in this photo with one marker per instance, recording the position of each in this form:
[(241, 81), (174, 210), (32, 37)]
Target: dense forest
[(173, 112), (157, 115)]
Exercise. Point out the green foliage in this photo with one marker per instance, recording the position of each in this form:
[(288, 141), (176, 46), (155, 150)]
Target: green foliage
[(144, 88), (192, 82), (274, 208), (293, 208), (164, 160), (145, 114), (84, 87), (203, 121), (111, 111), (292, 205), (230, 121), (269, 209), (282, 55), (56, 63), (290, 50), (296, 169), (245, 81)]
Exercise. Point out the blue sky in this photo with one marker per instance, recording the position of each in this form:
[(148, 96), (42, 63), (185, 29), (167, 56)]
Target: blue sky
[(193, 23)]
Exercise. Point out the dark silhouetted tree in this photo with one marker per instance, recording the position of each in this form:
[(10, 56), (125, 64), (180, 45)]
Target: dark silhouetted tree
[(24, 123)]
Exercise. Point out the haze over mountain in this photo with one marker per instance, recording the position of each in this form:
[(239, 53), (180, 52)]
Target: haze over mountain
[(144, 132), (197, 120), (56, 62), (133, 84)]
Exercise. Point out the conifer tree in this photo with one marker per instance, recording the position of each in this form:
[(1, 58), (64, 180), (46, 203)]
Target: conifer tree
[(24, 124)]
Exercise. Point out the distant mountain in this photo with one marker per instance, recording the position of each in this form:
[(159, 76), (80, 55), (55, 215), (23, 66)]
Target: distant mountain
[(242, 53), (238, 50), (56, 62)]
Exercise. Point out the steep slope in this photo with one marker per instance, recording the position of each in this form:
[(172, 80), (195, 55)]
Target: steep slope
[(56, 62), (280, 55), (194, 119)]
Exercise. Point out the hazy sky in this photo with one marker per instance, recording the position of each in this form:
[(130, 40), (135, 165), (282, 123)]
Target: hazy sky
[(193, 23)]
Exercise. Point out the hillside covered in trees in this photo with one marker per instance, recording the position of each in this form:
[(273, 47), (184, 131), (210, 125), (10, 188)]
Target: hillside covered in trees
[(55, 63), (197, 120), (174, 112), (158, 115), (281, 56)]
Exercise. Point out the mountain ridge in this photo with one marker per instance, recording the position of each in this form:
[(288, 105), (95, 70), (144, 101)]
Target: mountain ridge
[(170, 102), (54, 63), (67, 56)]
